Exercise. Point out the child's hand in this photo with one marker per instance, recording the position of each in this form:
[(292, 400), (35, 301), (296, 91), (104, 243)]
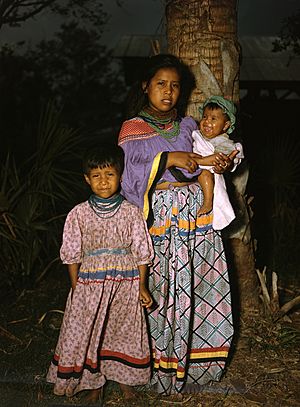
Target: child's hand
[(224, 162), (145, 297)]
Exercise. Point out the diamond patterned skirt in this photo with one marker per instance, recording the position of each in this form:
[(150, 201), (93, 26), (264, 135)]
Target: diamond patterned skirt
[(191, 326)]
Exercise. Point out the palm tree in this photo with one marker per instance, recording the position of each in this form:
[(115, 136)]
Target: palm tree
[(204, 35)]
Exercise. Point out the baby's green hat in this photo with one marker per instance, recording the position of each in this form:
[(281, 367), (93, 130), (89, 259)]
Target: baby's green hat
[(226, 105)]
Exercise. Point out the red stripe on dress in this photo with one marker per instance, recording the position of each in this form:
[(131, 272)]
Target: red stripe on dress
[(210, 350), (137, 361)]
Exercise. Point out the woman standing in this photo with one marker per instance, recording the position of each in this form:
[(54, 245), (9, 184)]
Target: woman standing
[(191, 326)]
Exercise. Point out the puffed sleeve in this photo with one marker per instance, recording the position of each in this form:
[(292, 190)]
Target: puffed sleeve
[(137, 169), (70, 251), (141, 247), (143, 167)]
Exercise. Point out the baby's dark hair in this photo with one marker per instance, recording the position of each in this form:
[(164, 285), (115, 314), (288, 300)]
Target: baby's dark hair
[(215, 106), (137, 98), (103, 156)]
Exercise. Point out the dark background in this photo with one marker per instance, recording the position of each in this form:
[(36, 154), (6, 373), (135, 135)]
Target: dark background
[(35, 73)]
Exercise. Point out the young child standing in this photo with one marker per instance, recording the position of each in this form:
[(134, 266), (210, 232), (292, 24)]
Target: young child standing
[(217, 122), (107, 248)]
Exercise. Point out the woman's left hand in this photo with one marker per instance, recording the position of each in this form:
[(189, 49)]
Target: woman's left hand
[(225, 162)]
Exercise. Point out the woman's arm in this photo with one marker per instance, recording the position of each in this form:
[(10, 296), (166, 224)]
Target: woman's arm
[(183, 159)]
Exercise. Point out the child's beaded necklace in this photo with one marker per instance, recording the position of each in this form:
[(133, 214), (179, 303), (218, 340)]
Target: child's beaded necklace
[(105, 208)]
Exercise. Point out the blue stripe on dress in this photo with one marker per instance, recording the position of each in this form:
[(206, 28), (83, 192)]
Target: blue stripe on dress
[(181, 232), (109, 273), (96, 252)]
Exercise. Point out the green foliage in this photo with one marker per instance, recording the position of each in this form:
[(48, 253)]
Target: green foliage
[(273, 337), (73, 68), (84, 10), (77, 71), (31, 196), (289, 35), (15, 12), (289, 336), (23, 91)]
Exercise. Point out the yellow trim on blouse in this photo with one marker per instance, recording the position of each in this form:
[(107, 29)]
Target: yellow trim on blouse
[(152, 176)]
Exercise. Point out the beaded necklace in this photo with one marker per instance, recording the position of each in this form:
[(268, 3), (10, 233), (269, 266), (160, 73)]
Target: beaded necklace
[(105, 208), (159, 122)]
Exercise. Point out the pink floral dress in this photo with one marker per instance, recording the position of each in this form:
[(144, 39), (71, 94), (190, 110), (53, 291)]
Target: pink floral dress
[(103, 334)]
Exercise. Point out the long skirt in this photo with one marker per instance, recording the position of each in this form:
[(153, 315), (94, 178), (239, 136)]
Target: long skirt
[(191, 327), (103, 337)]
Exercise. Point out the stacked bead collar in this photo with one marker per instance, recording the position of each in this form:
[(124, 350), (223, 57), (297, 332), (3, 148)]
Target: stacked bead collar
[(105, 208), (166, 124)]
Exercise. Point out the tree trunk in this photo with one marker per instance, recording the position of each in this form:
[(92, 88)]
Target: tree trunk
[(203, 33)]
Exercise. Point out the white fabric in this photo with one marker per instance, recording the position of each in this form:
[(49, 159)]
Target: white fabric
[(223, 213)]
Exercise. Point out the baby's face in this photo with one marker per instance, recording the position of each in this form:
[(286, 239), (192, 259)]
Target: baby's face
[(213, 122)]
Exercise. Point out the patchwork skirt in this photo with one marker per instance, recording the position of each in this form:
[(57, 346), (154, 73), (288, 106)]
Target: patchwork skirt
[(191, 327)]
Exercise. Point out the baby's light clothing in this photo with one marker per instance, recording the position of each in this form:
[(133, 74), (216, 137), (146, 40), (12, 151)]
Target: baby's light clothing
[(223, 213)]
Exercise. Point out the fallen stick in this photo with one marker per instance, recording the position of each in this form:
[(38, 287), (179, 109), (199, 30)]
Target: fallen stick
[(285, 308), (7, 334)]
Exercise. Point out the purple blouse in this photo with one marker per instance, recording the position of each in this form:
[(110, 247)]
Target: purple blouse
[(141, 148)]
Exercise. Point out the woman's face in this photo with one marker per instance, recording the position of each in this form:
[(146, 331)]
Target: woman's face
[(163, 90)]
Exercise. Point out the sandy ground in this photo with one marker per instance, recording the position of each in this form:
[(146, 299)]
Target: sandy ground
[(264, 368)]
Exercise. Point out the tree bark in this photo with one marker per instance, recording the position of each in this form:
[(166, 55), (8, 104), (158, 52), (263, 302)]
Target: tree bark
[(203, 34)]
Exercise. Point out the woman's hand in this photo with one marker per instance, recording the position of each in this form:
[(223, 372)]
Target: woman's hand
[(224, 162), (145, 297), (183, 159), (210, 160)]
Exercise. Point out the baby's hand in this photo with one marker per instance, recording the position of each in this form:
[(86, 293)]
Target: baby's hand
[(145, 297), (224, 162)]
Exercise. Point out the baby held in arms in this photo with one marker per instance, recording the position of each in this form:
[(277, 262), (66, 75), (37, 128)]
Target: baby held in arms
[(218, 117)]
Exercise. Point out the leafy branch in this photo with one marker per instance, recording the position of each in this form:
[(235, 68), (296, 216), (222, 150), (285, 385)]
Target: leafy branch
[(289, 35)]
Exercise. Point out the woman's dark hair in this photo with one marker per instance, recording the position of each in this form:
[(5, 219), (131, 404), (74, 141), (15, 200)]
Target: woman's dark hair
[(137, 99), (103, 156)]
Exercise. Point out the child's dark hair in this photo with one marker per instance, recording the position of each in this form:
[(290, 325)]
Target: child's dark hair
[(215, 106), (103, 156), (137, 98)]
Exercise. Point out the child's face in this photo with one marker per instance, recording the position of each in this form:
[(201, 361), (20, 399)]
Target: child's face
[(213, 122), (104, 182), (163, 90)]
